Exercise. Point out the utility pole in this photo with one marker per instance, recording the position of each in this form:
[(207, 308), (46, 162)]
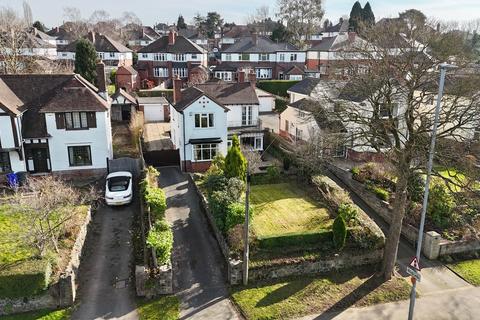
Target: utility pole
[(431, 153), (246, 229)]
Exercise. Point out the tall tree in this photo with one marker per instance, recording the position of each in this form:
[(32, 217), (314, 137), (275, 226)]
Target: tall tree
[(86, 60), (356, 17), (302, 18), (213, 23), (27, 14), (279, 33), (413, 17), (181, 23), (235, 162), (368, 16), (39, 26)]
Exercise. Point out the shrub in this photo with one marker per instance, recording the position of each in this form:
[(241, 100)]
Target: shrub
[(235, 188), (273, 174), (215, 182), (347, 212), (286, 163), (440, 206), (26, 279), (235, 239), (364, 238), (155, 199), (219, 202), (300, 239), (280, 104), (235, 162), (339, 230), (113, 75), (160, 238), (355, 171), (219, 162), (416, 188), (235, 215), (381, 193), (330, 191)]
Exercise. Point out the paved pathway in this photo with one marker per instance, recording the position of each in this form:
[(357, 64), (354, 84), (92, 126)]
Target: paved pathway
[(107, 288), (199, 277)]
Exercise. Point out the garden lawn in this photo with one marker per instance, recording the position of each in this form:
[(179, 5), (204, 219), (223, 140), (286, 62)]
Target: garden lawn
[(163, 308), (468, 270), (310, 295), (284, 208), (41, 315)]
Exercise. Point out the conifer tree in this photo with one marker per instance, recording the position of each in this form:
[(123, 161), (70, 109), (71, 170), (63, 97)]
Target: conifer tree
[(235, 162), (86, 60), (356, 16)]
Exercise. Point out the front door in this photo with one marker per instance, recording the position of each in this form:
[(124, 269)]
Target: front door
[(39, 159)]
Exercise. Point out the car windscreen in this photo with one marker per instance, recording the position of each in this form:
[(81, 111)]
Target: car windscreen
[(118, 183)]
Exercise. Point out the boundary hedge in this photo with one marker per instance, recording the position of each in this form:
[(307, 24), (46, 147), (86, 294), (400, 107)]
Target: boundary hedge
[(277, 87)]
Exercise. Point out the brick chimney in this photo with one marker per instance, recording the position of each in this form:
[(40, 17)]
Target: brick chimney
[(172, 36), (101, 80), (254, 38), (252, 78), (177, 89), (241, 76)]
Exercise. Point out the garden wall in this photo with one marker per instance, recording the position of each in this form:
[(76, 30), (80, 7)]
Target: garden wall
[(59, 294)]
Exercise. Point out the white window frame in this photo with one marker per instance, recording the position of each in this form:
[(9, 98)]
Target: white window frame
[(282, 56), (208, 117), (247, 115), (160, 57), (160, 72), (263, 56), (202, 150), (111, 54), (145, 55), (181, 72), (194, 56), (180, 57), (228, 57), (293, 57)]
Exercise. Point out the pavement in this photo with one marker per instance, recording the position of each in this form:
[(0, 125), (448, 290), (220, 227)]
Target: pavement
[(199, 269), (156, 136), (107, 288)]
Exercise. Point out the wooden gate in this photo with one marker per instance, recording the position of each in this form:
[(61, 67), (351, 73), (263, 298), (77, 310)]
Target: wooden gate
[(162, 158)]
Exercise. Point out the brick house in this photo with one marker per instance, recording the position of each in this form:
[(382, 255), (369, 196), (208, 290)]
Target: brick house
[(127, 78)]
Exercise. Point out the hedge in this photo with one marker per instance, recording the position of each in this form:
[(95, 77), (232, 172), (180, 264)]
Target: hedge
[(277, 87), (295, 239), (155, 199), (167, 93), (160, 238), (26, 279)]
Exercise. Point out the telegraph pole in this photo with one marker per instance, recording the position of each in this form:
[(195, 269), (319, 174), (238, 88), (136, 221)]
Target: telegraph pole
[(246, 229)]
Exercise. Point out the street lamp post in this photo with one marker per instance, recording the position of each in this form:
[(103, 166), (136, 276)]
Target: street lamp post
[(246, 228), (443, 71)]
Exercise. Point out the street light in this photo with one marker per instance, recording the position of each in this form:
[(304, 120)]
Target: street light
[(443, 71)]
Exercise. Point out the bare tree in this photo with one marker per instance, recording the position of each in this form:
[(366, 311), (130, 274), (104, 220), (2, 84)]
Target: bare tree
[(74, 21), (27, 14)]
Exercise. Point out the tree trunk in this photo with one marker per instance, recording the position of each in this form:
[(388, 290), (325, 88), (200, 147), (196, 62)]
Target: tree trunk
[(394, 232)]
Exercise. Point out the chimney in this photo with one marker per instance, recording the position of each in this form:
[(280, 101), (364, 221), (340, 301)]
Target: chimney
[(351, 36), (241, 76), (101, 80), (177, 89), (57, 29), (172, 35), (252, 78), (254, 38)]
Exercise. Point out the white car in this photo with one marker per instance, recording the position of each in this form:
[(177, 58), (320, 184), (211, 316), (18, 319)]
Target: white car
[(118, 189)]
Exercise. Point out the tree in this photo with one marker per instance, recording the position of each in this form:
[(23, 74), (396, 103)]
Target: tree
[(235, 162), (279, 33), (27, 13), (213, 23), (39, 26), (413, 17), (356, 17), (339, 231), (181, 23), (86, 60), (367, 15), (302, 18), (396, 117)]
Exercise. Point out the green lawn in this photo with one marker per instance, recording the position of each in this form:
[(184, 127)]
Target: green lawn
[(284, 208), (41, 315), (163, 308), (310, 295), (468, 270)]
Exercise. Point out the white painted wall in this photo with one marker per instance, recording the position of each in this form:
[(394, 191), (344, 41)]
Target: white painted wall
[(307, 124), (199, 57), (99, 139), (234, 116), (272, 57), (153, 112), (296, 96), (266, 100), (6, 132)]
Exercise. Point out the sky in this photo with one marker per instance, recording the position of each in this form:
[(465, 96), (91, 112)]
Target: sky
[(50, 12)]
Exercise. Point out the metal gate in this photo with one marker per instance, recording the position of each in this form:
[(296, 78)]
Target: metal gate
[(125, 164), (162, 158)]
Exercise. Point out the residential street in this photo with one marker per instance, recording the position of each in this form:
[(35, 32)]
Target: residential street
[(199, 277), (107, 289)]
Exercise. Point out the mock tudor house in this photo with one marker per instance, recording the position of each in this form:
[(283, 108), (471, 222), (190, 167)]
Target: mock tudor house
[(205, 117), (269, 59), (170, 56), (55, 123)]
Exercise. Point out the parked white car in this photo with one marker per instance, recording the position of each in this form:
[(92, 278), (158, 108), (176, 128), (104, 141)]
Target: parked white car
[(118, 189)]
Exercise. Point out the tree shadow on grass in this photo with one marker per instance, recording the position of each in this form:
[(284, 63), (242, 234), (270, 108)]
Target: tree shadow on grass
[(284, 292)]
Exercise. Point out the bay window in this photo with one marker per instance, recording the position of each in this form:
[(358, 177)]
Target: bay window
[(79, 156), (181, 72), (160, 72), (204, 152)]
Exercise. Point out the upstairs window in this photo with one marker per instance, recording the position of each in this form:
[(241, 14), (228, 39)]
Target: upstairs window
[(244, 57), (204, 120), (144, 55), (293, 57), (282, 56), (180, 57), (263, 57), (228, 57), (76, 120), (160, 56), (112, 54), (194, 56)]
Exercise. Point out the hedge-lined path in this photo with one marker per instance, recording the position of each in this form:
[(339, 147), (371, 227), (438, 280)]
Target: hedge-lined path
[(198, 267), (107, 286)]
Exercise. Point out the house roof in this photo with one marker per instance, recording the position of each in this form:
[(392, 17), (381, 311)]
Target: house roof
[(128, 97), (40, 93), (129, 70), (237, 31), (321, 116), (341, 26), (337, 42), (60, 33), (181, 45), (306, 86), (295, 70), (9, 102), (152, 100), (263, 44), (101, 42)]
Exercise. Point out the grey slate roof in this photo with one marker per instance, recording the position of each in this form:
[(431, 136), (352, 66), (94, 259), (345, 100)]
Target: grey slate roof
[(102, 43), (305, 86), (60, 33), (321, 116), (263, 45), (181, 45)]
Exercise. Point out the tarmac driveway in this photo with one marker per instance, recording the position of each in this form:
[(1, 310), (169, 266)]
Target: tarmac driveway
[(106, 286), (199, 275)]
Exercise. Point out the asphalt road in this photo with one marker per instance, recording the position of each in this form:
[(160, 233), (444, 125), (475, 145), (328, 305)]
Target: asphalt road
[(199, 272), (107, 287)]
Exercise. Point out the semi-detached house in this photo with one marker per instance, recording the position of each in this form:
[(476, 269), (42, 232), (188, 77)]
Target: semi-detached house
[(53, 123)]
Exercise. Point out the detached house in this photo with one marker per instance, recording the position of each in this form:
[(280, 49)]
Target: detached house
[(170, 56), (62, 36), (269, 59), (53, 123)]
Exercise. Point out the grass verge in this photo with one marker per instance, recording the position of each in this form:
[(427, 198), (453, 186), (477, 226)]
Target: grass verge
[(468, 270), (163, 308), (63, 314), (311, 295)]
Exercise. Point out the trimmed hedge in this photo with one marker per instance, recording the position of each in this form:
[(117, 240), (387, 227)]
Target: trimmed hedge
[(160, 238), (277, 87), (296, 239), (27, 279), (155, 199), (167, 93)]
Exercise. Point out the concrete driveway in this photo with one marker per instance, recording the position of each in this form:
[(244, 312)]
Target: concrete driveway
[(107, 287), (199, 275)]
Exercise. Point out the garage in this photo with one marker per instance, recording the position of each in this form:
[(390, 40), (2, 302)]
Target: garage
[(155, 109)]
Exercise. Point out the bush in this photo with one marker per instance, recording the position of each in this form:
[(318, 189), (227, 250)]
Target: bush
[(235, 162), (235, 215), (440, 206), (381, 193), (235, 239), (155, 199), (219, 202), (215, 182), (339, 230), (277, 87), (416, 188), (280, 104), (235, 189), (219, 162), (364, 238), (300, 239), (160, 238), (355, 171), (113, 75), (273, 174), (26, 279), (347, 212)]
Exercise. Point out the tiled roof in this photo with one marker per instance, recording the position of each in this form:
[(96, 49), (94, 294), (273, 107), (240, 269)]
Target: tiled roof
[(61, 34), (306, 86), (263, 44), (181, 45), (321, 116), (101, 42)]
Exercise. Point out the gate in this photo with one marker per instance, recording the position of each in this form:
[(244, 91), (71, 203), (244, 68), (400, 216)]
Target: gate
[(162, 158), (125, 164)]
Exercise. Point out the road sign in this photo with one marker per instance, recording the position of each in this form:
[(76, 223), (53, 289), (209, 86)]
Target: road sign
[(413, 269), (414, 263)]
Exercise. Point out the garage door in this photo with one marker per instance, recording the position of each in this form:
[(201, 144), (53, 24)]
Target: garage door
[(153, 112)]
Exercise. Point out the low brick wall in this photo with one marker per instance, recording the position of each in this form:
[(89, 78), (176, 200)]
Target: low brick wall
[(60, 294), (343, 260)]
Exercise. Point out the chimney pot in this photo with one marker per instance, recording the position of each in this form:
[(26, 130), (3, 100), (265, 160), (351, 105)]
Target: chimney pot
[(177, 89), (101, 78)]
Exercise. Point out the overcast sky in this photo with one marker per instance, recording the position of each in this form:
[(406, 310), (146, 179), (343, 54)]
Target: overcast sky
[(50, 12)]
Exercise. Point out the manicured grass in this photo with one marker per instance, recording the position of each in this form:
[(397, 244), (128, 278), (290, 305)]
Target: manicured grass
[(163, 308), (312, 295), (468, 270), (41, 315), (284, 208)]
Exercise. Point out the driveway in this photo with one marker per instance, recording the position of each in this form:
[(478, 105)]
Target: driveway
[(156, 136), (107, 288), (199, 275)]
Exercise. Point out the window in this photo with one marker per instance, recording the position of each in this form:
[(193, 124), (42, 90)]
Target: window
[(112, 54), (293, 57), (181, 72), (79, 156), (228, 57), (5, 162), (224, 75), (159, 56), (282, 56), (263, 73), (204, 120), (100, 55), (160, 72), (145, 55), (298, 134), (244, 57), (64, 54), (194, 56), (301, 114), (76, 120), (179, 57), (247, 116), (202, 152), (263, 57)]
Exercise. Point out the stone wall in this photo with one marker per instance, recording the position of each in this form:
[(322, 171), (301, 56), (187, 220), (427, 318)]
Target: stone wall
[(61, 293), (147, 286)]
